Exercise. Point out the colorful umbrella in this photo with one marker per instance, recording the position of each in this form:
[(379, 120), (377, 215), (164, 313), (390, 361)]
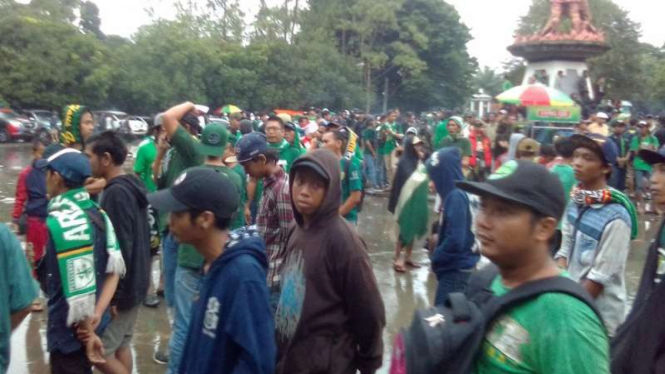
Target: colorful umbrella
[(535, 95), (228, 109)]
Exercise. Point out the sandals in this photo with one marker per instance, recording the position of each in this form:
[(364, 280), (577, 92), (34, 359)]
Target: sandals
[(412, 264), (399, 268)]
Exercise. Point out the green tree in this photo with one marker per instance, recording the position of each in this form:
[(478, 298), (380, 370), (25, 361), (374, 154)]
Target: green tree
[(487, 80), (90, 21)]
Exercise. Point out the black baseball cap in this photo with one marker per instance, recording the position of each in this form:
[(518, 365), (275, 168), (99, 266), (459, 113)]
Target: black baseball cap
[(250, 146), (289, 126), (198, 188), (652, 157), (525, 183)]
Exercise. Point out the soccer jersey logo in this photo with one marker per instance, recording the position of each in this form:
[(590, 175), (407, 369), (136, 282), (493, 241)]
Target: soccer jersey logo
[(211, 318)]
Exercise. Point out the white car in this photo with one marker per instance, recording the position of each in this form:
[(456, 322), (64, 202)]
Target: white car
[(135, 125)]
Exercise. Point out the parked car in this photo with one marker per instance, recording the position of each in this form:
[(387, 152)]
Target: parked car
[(134, 125), (14, 127), (109, 120), (47, 123)]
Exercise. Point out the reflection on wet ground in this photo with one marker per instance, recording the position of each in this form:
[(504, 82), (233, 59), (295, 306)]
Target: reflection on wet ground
[(402, 293)]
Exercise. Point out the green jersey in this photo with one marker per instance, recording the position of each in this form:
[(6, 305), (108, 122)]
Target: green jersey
[(649, 142), (369, 135), (566, 175), (553, 333), (351, 182), (390, 143), (187, 254), (146, 154), (17, 288), (239, 220), (461, 143), (440, 133)]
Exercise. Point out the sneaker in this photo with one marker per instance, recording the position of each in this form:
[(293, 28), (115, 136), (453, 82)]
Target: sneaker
[(161, 358), (151, 301)]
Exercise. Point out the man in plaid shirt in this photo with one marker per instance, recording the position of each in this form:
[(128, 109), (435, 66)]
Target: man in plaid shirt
[(275, 212)]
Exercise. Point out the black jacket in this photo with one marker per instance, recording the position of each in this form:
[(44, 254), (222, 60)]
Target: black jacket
[(639, 344), (124, 200)]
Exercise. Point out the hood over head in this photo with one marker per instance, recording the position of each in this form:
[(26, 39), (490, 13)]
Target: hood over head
[(514, 142), (329, 163), (132, 183), (444, 169), (71, 124)]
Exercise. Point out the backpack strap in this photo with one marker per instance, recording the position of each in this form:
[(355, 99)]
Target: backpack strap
[(528, 291)]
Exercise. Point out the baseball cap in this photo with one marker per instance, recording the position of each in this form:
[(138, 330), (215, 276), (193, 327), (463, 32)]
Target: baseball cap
[(198, 188), (290, 126), (642, 123), (71, 164), (602, 115), (528, 145), (652, 157), (598, 144), (417, 140), (411, 130), (525, 183), (250, 146), (213, 140)]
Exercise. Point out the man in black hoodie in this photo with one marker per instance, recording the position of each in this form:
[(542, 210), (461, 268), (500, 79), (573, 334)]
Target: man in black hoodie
[(330, 315), (124, 200)]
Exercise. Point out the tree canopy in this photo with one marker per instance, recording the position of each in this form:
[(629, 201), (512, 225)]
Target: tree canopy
[(333, 53)]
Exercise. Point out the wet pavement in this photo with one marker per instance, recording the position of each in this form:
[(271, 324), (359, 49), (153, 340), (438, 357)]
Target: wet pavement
[(402, 293)]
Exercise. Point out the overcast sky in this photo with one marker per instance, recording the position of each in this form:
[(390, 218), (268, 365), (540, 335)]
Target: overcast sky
[(492, 22)]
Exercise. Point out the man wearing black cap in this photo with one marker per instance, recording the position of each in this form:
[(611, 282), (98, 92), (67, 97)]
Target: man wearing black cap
[(644, 324), (598, 227), (330, 316), (554, 333), (83, 264), (231, 329)]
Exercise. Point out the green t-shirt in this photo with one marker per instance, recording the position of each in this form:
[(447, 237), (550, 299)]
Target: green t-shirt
[(182, 155), (566, 175), (146, 154), (649, 142), (187, 254), (17, 288), (390, 144), (369, 135), (352, 182), (461, 143), (554, 333), (239, 220)]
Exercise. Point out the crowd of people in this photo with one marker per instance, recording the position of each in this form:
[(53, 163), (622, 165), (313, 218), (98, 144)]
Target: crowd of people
[(263, 269)]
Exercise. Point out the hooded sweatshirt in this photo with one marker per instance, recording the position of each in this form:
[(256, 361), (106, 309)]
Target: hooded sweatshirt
[(124, 200), (454, 248), (232, 330), (330, 316)]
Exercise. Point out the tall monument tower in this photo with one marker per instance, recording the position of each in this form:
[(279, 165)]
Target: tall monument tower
[(557, 58)]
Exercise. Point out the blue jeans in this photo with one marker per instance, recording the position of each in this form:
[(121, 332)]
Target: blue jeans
[(449, 282), (187, 282), (381, 178), (369, 169), (169, 263), (642, 181)]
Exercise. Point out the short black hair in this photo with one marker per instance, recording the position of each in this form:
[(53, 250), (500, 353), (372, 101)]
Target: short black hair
[(547, 150), (220, 223), (276, 119), (270, 155), (564, 147), (109, 142)]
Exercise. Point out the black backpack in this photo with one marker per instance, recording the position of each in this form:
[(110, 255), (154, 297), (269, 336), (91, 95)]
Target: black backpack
[(445, 339)]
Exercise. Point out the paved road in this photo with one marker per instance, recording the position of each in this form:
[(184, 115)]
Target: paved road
[(402, 293)]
